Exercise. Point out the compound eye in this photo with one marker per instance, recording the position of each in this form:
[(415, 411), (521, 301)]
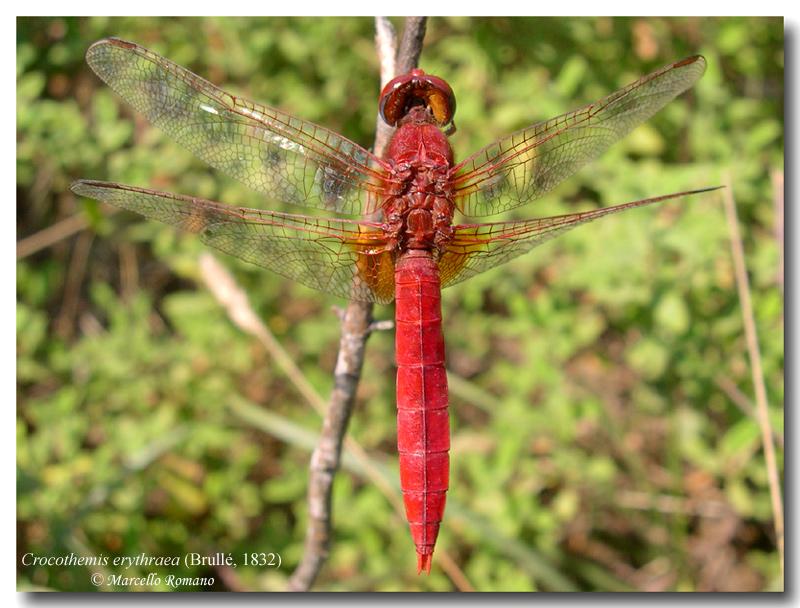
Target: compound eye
[(417, 88)]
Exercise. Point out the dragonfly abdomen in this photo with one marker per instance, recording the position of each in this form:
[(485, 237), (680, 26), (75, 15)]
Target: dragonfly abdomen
[(423, 427)]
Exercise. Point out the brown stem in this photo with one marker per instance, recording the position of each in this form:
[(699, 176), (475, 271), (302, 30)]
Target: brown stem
[(356, 323), (751, 338), (411, 45)]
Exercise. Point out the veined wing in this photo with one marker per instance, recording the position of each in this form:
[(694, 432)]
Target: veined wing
[(529, 163), (476, 248), (344, 258), (274, 153)]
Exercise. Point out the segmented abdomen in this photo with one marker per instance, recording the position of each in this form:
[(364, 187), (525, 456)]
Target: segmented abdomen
[(423, 427)]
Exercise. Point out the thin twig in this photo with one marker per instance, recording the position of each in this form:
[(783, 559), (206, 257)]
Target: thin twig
[(59, 231), (411, 45), (327, 455), (386, 45), (64, 325), (741, 400), (51, 235), (755, 364)]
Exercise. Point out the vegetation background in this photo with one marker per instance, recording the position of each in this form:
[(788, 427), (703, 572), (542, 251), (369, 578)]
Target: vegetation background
[(603, 427)]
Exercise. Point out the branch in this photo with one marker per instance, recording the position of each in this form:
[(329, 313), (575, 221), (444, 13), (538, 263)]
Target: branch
[(357, 325), (411, 45), (751, 337)]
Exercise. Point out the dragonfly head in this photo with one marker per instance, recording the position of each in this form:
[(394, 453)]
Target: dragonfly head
[(401, 96)]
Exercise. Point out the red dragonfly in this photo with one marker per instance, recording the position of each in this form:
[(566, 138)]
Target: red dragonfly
[(409, 255)]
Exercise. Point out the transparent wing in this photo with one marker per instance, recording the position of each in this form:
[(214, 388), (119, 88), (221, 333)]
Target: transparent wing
[(274, 153), (340, 257), (476, 248), (529, 163)]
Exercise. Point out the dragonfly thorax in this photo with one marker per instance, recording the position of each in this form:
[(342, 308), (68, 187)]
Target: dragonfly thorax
[(420, 220)]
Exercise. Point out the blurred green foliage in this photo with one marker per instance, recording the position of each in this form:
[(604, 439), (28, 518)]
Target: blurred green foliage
[(597, 440)]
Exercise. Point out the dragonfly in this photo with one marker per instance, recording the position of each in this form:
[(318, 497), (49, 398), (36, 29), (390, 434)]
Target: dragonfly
[(414, 249)]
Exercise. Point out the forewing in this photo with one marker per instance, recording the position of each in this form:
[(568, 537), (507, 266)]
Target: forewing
[(273, 152), (530, 163), (340, 257)]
